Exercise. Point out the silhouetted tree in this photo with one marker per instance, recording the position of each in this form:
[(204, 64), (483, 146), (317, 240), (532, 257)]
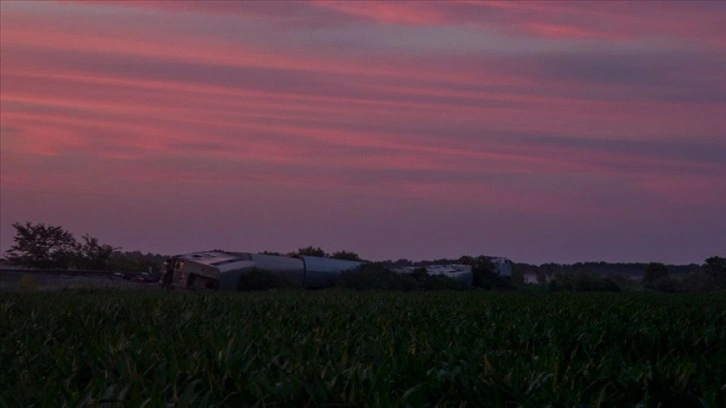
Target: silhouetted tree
[(346, 255), (715, 267), (134, 261), (376, 275), (699, 282), (654, 271), (51, 247), (310, 251), (42, 246), (402, 262), (582, 282), (486, 276), (420, 274), (93, 255)]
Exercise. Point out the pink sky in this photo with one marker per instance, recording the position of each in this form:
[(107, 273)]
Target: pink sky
[(543, 132)]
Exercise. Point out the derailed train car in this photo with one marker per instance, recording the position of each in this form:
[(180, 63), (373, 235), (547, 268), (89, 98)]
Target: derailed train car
[(223, 270)]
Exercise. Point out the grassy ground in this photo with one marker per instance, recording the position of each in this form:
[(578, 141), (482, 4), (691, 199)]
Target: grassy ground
[(297, 348)]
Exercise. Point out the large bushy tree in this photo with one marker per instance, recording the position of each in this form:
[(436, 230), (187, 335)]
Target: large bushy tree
[(92, 254), (42, 246), (715, 267), (52, 247), (654, 271)]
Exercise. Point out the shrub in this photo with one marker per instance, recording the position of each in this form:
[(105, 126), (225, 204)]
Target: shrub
[(439, 282), (665, 284), (654, 271), (582, 282), (376, 276), (623, 281), (346, 255), (699, 282)]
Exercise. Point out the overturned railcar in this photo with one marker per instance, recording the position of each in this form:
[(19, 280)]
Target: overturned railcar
[(223, 270)]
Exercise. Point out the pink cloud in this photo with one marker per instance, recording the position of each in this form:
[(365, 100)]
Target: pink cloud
[(563, 20), (560, 20), (125, 104)]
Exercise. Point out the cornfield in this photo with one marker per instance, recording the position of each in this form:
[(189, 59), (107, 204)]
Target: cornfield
[(340, 348)]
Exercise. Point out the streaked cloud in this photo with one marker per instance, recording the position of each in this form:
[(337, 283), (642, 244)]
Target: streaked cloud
[(516, 119)]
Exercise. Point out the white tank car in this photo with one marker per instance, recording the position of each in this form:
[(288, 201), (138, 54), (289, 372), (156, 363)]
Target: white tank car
[(223, 270)]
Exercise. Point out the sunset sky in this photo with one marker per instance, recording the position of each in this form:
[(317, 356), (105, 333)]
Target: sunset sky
[(543, 132)]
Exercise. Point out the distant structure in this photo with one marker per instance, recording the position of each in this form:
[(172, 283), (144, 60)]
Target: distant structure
[(457, 272), (502, 266), (461, 272), (223, 270)]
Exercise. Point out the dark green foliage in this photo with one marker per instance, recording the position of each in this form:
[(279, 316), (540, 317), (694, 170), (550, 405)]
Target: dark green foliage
[(51, 247), (93, 255), (377, 277), (439, 282), (715, 267), (420, 273), (654, 271), (585, 282), (402, 262), (582, 282), (711, 278), (634, 270), (346, 255), (310, 251), (135, 261), (259, 279), (485, 275), (699, 282), (42, 246), (624, 282), (426, 281), (666, 284), (342, 348), (563, 282)]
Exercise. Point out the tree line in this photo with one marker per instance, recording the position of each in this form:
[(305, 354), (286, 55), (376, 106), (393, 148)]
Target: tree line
[(602, 276), (41, 246), (319, 252)]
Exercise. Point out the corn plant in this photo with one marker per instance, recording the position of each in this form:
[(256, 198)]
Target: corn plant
[(344, 348)]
